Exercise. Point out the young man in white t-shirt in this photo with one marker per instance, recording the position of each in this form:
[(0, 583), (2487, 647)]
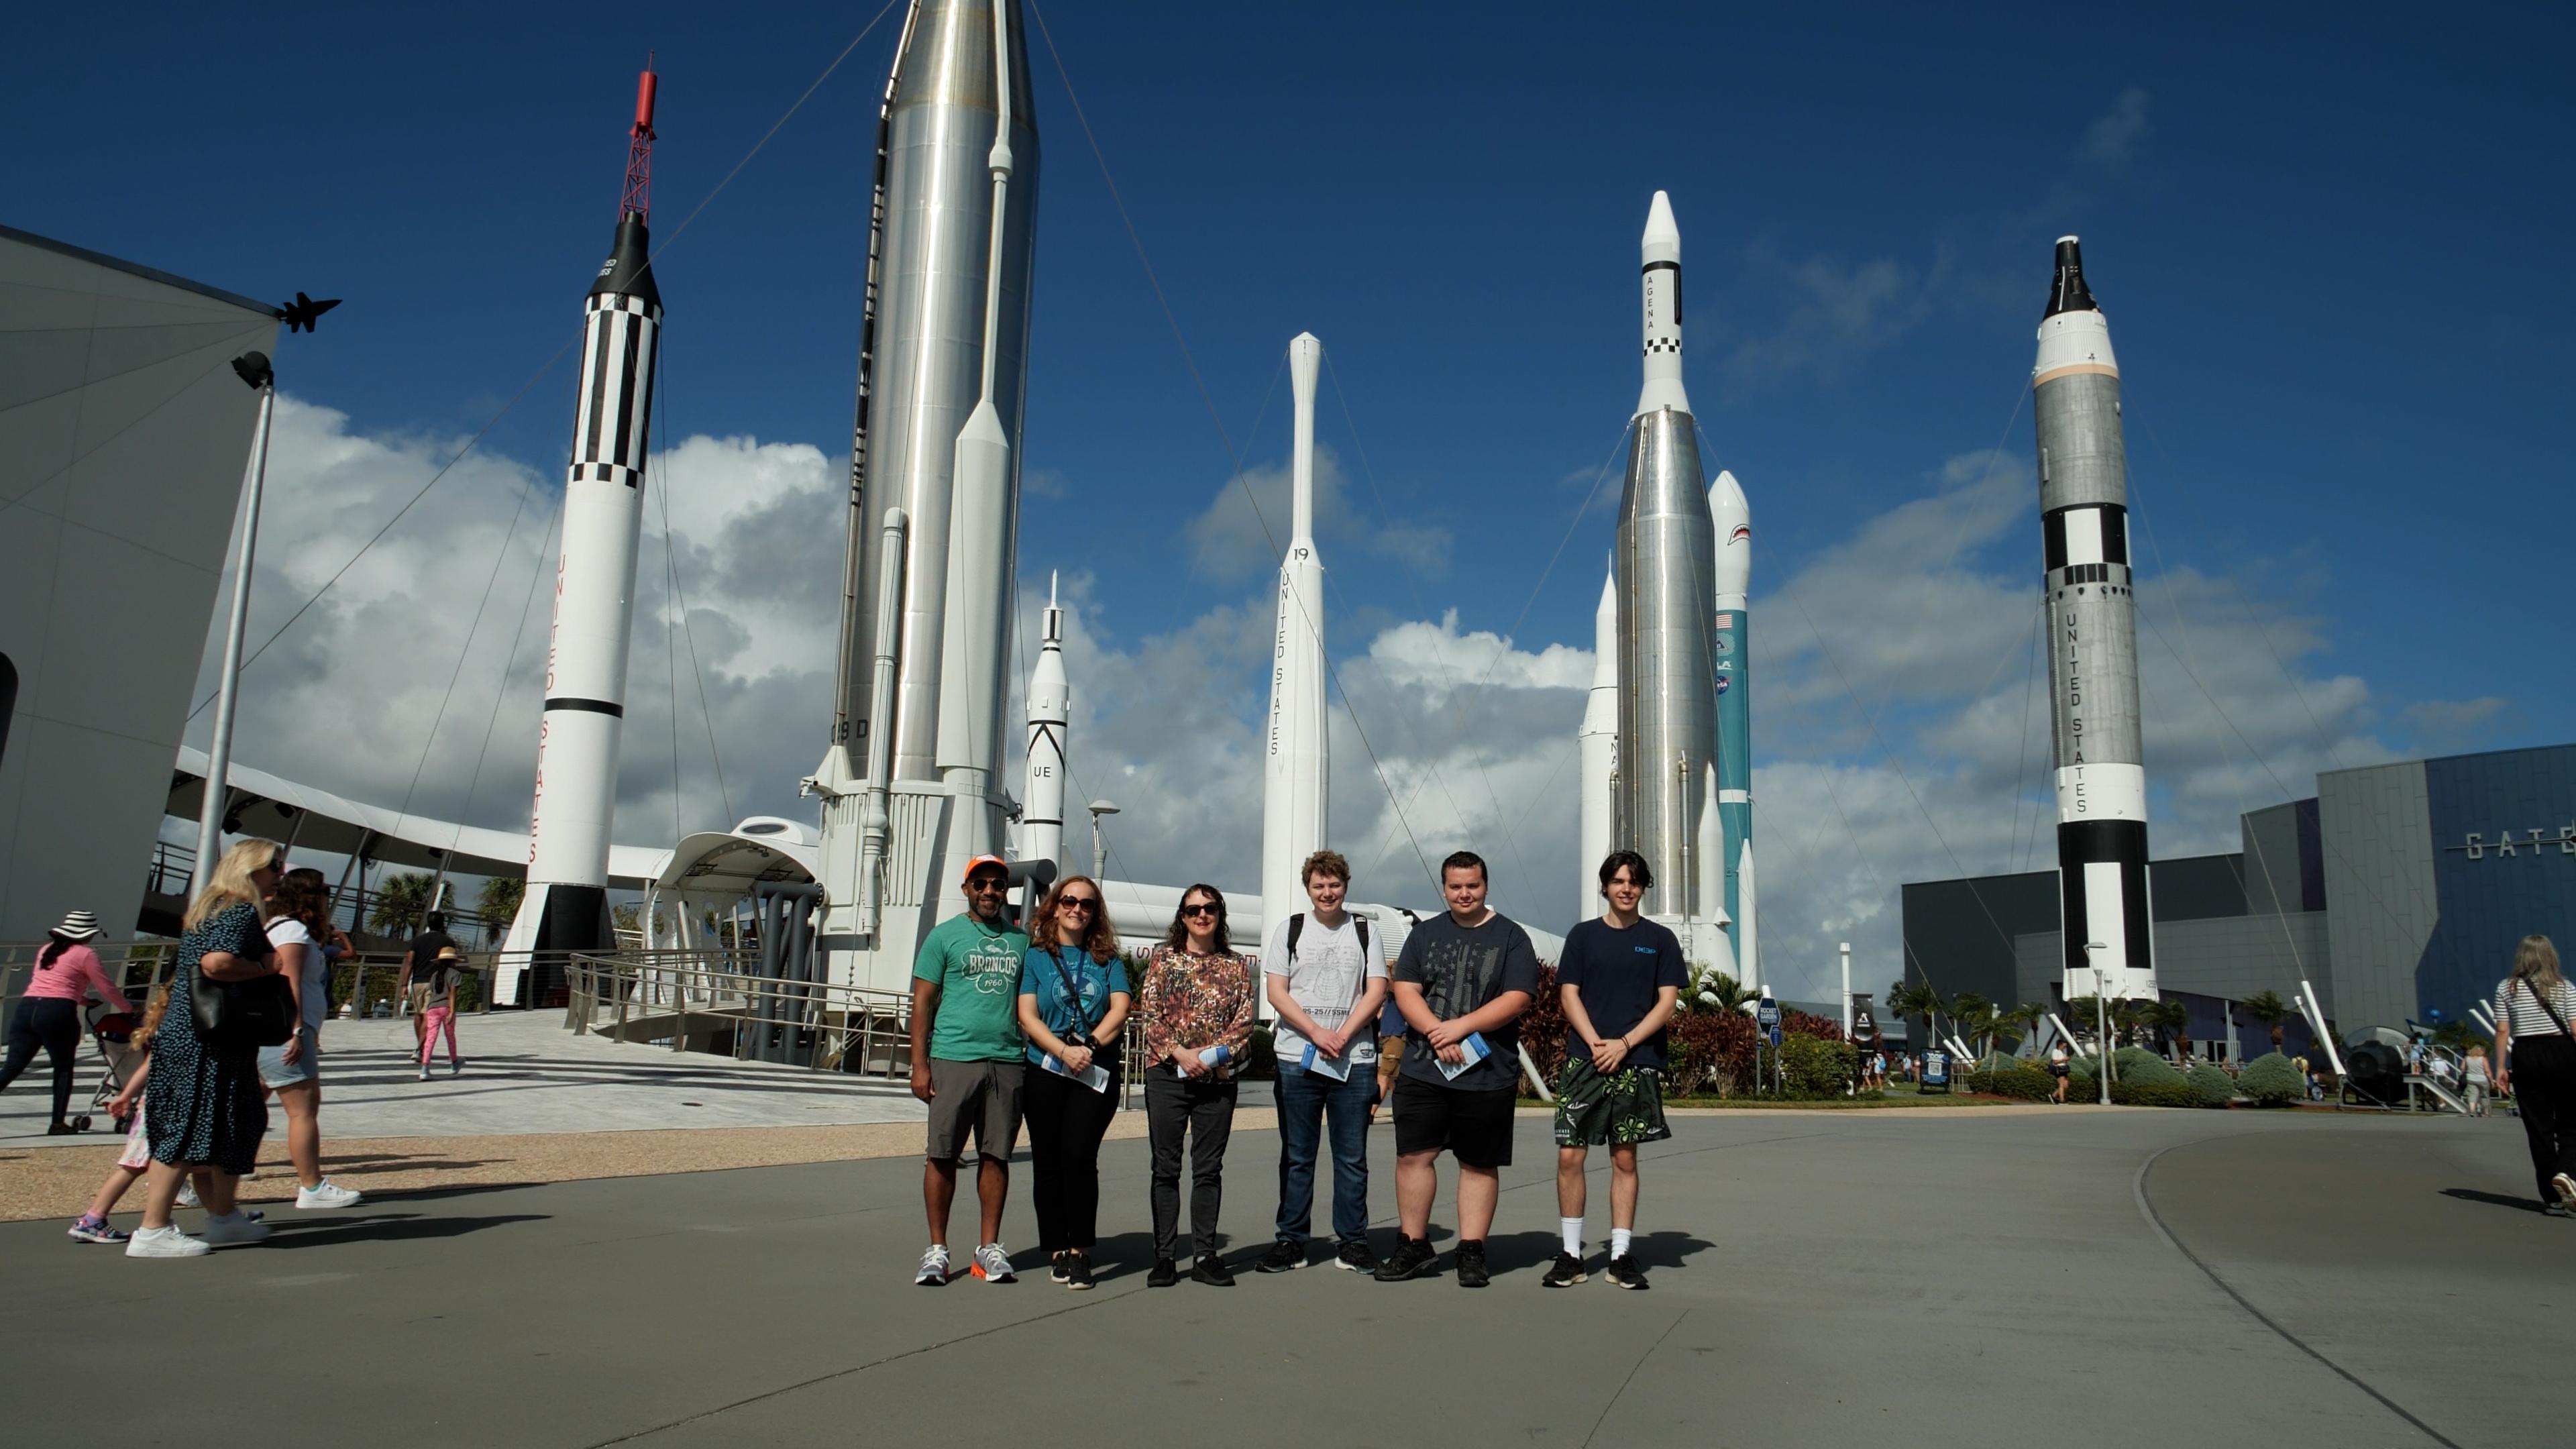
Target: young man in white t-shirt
[(1325, 989)]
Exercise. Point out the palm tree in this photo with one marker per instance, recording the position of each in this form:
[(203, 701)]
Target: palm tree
[(401, 903), (1714, 993), (1976, 1018), (2169, 1016), (2022, 1022), (2268, 1008), (2084, 1013), (1913, 999)]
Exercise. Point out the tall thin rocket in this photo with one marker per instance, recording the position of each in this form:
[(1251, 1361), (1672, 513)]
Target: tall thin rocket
[(1598, 742), (2093, 643), (1730, 638), (1666, 563), (1042, 799), (1293, 764), (566, 908)]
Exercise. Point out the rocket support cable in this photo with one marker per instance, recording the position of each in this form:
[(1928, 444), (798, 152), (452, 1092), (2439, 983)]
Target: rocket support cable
[(499, 555), (679, 592), (548, 366), (1208, 400), (509, 666)]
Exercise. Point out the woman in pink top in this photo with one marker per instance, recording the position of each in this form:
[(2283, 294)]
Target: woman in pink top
[(49, 1014)]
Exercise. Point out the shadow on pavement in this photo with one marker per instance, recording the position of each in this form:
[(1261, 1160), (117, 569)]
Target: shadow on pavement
[(2493, 1199), (389, 1228)]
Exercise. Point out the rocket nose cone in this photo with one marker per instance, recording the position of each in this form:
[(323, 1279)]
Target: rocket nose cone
[(2066, 290), (1726, 493), (1660, 230)]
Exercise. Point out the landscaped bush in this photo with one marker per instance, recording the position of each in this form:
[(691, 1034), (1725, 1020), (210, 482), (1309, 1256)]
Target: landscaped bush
[(2272, 1080), (2144, 1068), (1710, 1053), (2026, 1084), (2215, 1087), (1999, 1062), (1815, 1067), (2176, 1093)]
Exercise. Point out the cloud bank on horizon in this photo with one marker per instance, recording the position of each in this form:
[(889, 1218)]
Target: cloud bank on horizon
[(1900, 706)]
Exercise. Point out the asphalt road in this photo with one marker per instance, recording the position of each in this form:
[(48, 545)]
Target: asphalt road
[(2093, 1278)]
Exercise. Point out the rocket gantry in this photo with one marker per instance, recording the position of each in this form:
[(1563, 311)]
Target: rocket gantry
[(2092, 643)]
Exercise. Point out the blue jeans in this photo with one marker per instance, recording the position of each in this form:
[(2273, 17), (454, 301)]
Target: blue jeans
[(1308, 1102)]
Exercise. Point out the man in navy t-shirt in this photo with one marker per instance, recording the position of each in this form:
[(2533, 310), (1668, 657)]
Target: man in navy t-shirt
[(1620, 980)]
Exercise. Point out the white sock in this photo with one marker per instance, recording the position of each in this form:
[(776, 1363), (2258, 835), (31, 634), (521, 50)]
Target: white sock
[(1572, 1228), (1619, 1242)]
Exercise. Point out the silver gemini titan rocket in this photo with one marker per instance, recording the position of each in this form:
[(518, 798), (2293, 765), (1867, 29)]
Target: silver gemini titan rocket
[(1666, 565), (2092, 644)]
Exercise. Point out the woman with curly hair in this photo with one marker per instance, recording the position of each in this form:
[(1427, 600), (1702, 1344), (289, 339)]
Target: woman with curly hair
[(1195, 1001), (1073, 1004)]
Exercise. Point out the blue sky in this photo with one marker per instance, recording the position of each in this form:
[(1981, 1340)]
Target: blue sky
[(2329, 245)]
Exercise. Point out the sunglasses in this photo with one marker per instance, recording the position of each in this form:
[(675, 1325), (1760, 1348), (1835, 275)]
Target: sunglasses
[(993, 883), (1203, 908), (1077, 903)]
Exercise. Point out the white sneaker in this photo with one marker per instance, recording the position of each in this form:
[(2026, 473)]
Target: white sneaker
[(993, 1264), (934, 1267), (327, 1194), (238, 1229), (165, 1243), (188, 1194), (424, 1074)]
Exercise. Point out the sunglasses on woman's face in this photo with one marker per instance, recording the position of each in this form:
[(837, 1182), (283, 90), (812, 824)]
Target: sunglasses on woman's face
[(1084, 904), (1200, 908)]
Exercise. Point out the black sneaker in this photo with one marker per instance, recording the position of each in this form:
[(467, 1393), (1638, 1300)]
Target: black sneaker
[(1164, 1274), (1077, 1271), (1411, 1259), (1469, 1264), (1056, 1271), (1283, 1257), (1565, 1272), (1210, 1269), (1357, 1258), (1623, 1272)]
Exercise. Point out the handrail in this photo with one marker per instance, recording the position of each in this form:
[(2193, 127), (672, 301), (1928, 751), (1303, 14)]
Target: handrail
[(138, 966), (673, 995)]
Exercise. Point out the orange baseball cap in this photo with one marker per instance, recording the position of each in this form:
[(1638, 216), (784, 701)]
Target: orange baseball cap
[(981, 861)]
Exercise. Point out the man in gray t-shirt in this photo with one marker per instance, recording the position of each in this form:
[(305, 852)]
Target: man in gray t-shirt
[(1462, 981), (1327, 978)]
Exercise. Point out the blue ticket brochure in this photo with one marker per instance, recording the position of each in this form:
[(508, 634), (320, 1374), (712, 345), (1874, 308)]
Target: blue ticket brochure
[(1337, 1068), (1095, 1076), (1470, 1052)]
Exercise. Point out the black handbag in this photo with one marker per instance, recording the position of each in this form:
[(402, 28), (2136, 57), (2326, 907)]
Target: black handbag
[(259, 1012)]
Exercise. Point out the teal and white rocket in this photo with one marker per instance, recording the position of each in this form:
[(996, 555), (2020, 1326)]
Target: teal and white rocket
[(1732, 667)]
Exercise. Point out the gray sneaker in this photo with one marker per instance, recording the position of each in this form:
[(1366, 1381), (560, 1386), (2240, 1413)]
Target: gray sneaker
[(234, 1229), (933, 1272), (2565, 1187), (993, 1264)]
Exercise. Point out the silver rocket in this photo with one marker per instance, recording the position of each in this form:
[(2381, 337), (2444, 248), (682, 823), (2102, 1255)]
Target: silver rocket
[(2092, 643), (1666, 566), (566, 907), (923, 368)]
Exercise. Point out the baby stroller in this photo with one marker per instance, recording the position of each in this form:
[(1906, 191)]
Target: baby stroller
[(112, 1027)]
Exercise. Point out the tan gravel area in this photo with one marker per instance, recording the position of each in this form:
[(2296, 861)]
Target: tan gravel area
[(59, 1181)]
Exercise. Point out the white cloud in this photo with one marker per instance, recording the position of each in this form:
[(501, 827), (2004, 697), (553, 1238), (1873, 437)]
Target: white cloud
[(2112, 140), (1229, 540)]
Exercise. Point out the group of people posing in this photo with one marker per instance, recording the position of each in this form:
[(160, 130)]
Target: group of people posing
[(1011, 1027)]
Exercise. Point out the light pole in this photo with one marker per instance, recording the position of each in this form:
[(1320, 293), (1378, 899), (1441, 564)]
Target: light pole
[(1099, 857), (2102, 1014), (254, 370)]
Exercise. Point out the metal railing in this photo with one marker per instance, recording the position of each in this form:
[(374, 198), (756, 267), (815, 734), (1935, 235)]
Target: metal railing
[(364, 980), (703, 995), (172, 865)]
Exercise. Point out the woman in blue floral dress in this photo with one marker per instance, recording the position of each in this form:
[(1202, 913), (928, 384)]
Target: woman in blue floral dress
[(203, 1097)]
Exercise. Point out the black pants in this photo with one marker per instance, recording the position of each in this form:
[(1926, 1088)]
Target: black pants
[(54, 1024), (2544, 1092), (1066, 1122), (1203, 1108)]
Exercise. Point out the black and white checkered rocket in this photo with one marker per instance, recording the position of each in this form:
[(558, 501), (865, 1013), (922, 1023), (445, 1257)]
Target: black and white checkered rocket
[(2092, 644), (585, 699)]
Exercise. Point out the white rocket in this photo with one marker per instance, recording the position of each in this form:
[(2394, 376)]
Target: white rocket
[(1294, 759), (1732, 669), (566, 907), (1599, 742), (1042, 801)]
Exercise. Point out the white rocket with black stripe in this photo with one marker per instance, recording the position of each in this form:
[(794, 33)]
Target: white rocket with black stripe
[(585, 699), (2092, 644)]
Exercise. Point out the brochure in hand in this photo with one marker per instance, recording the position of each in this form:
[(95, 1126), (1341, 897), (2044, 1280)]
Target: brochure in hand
[(1470, 1052), (1095, 1076), (1337, 1068)]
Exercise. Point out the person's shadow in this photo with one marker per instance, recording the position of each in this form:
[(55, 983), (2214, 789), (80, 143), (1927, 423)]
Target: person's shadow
[(2494, 1199), (389, 1228)]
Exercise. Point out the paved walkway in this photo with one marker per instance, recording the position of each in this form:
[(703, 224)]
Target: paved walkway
[(2109, 1278)]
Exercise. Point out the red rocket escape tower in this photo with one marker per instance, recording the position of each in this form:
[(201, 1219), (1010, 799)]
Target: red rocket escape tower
[(639, 151)]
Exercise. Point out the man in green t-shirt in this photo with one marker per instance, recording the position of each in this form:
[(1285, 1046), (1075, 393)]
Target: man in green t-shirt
[(966, 1049)]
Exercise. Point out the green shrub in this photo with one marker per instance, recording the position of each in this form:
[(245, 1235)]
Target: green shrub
[(1815, 1067), (2022, 1083), (2216, 1088), (2272, 1080), (2000, 1062), (2176, 1093), (2144, 1068)]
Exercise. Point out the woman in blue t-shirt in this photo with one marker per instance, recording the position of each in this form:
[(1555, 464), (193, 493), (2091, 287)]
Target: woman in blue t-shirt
[(1073, 1004)]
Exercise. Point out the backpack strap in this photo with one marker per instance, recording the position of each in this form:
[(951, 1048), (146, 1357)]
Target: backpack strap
[(1296, 928)]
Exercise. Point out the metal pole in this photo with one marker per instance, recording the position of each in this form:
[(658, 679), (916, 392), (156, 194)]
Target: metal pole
[(219, 749)]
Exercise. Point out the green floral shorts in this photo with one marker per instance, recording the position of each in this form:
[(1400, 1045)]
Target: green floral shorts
[(1618, 1110)]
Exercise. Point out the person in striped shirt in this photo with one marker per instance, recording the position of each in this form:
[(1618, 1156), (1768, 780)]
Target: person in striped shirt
[(2535, 1053)]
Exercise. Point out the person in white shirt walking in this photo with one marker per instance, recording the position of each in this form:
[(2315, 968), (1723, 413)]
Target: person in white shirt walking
[(2535, 1052)]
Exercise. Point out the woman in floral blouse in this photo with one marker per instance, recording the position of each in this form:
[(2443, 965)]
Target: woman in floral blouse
[(1194, 1000)]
